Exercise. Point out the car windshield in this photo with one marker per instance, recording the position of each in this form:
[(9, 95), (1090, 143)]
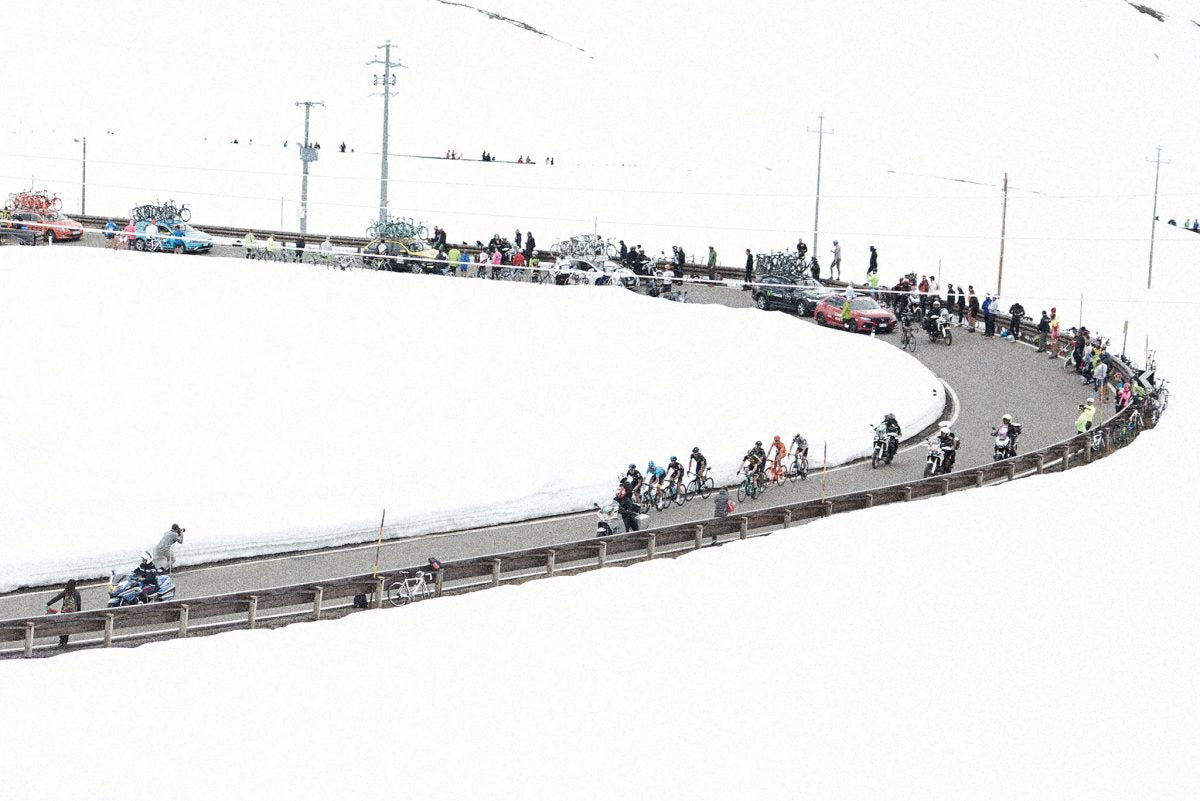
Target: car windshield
[(55, 216), (864, 304)]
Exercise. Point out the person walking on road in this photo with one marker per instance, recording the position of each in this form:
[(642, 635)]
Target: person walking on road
[(71, 602)]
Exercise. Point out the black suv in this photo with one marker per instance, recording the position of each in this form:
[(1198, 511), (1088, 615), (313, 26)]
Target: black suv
[(800, 295)]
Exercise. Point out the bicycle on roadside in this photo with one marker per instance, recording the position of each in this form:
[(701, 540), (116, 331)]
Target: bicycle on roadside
[(408, 588)]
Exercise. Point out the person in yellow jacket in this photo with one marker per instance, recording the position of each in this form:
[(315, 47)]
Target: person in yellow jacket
[(1087, 413), (847, 316)]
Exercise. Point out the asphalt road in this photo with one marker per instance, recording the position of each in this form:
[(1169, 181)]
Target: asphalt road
[(988, 378)]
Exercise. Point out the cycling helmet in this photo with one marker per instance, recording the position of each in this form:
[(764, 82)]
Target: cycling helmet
[(696, 449), (777, 438), (1007, 418), (673, 460), (835, 241), (890, 416), (651, 465), (633, 467), (758, 444)]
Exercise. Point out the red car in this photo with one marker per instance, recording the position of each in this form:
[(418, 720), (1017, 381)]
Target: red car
[(866, 314), (52, 225)]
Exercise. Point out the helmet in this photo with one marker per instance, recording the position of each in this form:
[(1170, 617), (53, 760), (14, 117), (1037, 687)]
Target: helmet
[(651, 465), (835, 241), (673, 459), (633, 467), (620, 492), (890, 416), (1090, 402), (696, 449), (146, 557), (1007, 418), (777, 439), (758, 444)]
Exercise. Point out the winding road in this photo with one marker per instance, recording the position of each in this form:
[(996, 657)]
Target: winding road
[(986, 378)]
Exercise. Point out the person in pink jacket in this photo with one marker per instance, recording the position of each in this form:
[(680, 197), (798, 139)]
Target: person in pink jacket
[(129, 234)]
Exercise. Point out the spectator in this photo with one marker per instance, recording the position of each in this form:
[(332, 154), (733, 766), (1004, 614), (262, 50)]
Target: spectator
[(873, 282), (933, 290), (130, 234), (989, 317), (1087, 413), (1100, 378), (749, 268), (1043, 332), (1016, 311), (961, 305), (873, 267), (529, 246), (249, 243), (110, 234), (680, 260), (972, 308), (836, 264), (464, 259), (163, 553), (1054, 328), (712, 265), (802, 250), (71, 602), (923, 288), (623, 252), (1124, 394), (342, 147), (452, 260), (847, 317)]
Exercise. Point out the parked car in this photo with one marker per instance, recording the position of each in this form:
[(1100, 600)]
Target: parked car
[(587, 271), (402, 255), (193, 240), (864, 311), (54, 226), (800, 295)]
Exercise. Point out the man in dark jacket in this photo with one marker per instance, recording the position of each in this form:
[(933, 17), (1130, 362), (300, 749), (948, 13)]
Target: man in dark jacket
[(749, 268), (1017, 311), (627, 509), (1043, 332), (873, 267)]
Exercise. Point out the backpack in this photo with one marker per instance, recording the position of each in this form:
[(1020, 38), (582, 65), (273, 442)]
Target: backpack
[(360, 601), (729, 507)]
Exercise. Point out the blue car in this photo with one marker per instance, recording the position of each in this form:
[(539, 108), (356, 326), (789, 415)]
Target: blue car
[(188, 240)]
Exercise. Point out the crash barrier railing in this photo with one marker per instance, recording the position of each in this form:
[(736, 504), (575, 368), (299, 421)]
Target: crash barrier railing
[(309, 600)]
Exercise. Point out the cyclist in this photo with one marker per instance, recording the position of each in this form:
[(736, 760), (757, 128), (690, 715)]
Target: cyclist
[(701, 465), (776, 454), (800, 451), (893, 427), (655, 475), (753, 464), (675, 475), (633, 481)]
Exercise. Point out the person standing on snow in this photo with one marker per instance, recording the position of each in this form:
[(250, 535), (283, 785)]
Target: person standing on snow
[(836, 264), (163, 556)]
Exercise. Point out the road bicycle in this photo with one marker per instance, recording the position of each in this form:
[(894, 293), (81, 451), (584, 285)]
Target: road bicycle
[(701, 488), (751, 487), (798, 467), (676, 492), (1128, 430), (411, 588), (656, 495), (908, 340)]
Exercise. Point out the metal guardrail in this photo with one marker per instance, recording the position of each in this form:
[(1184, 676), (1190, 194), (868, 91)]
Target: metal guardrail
[(309, 600)]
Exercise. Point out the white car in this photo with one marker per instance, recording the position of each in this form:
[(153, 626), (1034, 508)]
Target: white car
[(598, 272)]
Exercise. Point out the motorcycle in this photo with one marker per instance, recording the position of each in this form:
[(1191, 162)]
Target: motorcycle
[(884, 446), (933, 459), (131, 591), (608, 521), (939, 328), (1006, 443)]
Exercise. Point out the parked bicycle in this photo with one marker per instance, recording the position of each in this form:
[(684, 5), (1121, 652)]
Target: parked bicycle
[(411, 588)]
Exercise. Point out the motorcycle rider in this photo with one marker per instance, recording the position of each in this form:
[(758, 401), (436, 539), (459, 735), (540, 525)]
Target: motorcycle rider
[(1010, 429), (949, 444), (892, 427), (146, 573)]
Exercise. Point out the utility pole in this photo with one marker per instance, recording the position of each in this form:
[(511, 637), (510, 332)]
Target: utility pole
[(820, 141), (387, 81), (1003, 225), (307, 154), (1158, 162), (83, 188)]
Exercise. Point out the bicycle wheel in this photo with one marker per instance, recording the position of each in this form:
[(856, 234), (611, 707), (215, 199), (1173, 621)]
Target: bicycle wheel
[(398, 593), (55, 203), (743, 490), (185, 213), (690, 490), (949, 338), (680, 496), (661, 500)]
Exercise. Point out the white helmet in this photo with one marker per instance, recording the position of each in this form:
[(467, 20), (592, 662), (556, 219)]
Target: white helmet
[(944, 427), (146, 557)]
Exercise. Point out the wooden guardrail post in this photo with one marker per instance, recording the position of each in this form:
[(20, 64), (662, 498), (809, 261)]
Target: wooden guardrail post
[(437, 584), (1041, 463), (183, 620), (318, 598), (29, 627), (377, 600), (828, 508), (495, 572), (787, 517), (1087, 452), (550, 554), (1066, 457), (1012, 470), (251, 611), (870, 496), (978, 481), (699, 534), (908, 493), (650, 546), (108, 629), (743, 528), (601, 553)]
